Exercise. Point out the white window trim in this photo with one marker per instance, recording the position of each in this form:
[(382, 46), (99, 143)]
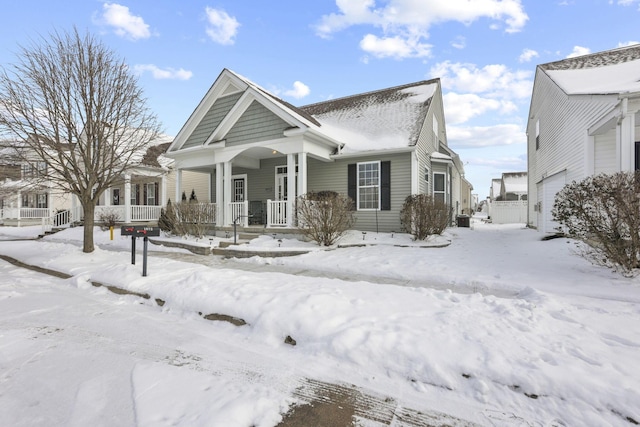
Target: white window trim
[(275, 179), (246, 185), (378, 162), (444, 182)]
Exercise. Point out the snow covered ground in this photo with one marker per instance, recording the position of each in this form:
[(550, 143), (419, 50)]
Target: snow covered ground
[(497, 328)]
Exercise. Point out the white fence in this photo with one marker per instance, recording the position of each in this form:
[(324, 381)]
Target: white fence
[(511, 212)]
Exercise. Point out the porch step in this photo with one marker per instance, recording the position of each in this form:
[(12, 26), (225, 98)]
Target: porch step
[(240, 241)]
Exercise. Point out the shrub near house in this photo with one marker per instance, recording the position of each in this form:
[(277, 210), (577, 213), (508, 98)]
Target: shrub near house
[(603, 210)]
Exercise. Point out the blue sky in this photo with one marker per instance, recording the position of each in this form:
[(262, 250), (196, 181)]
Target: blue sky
[(485, 52)]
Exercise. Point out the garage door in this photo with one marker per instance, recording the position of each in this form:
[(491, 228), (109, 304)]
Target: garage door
[(550, 187)]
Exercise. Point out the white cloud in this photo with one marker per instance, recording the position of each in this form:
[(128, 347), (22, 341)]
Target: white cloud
[(222, 28), (485, 136), (579, 51), (405, 24), (162, 74), (626, 2), (299, 90), (421, 14), (495, 80), (124, 23), (460, 108), (394, 47), (527, 55), (629, 43), (459, 42), (501, 163)]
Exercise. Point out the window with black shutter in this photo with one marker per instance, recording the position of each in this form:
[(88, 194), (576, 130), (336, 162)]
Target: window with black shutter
[(369, 185)]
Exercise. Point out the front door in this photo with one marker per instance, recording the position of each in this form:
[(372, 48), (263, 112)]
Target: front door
[(239, 186)]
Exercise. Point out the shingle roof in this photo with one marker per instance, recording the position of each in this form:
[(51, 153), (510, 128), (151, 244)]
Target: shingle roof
[(598, 59), (383, 119), (150, 157), (614, 71)]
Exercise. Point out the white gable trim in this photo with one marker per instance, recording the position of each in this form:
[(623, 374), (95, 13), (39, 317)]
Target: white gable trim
[(226, 83)]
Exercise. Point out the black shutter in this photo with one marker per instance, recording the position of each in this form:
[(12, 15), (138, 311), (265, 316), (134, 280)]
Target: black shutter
[(352, 179), (144, 195), (156, 193), (385, 186)]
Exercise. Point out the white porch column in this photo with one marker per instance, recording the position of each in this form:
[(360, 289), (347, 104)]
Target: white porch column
[(302, 174), (178, 186), (127, 199), (163, 193), (19, 206), (227, 193), (107, 197), (76, 215), (627, 135), (291, 187), (219, 194)]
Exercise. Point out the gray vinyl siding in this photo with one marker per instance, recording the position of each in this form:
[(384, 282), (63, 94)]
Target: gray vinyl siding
[(261, 182), (564, 121), (257, 123), (333, 176), (428, 141), (211, 120)]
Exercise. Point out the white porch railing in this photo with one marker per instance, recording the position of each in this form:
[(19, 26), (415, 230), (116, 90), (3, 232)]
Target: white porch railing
[(276, 213), (145, 213), (240, 213)]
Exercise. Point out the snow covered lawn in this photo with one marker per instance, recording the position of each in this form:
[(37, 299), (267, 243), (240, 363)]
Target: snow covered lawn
[(498, 328)]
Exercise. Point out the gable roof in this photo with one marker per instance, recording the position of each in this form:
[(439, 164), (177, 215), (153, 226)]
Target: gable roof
[(385, 119), (609, 72)]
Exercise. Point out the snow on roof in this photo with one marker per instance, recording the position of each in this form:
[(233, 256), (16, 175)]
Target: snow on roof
[(515, 182), (436, 155), (608, 72), (385, 119)]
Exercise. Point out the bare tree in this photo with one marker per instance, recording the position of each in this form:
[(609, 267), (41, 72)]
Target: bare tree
[(72, 104)]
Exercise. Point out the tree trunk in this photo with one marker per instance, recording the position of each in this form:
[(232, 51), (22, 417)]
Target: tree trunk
[(89, 209)]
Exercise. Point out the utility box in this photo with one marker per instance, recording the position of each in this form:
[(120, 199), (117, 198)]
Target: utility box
[(463, 220)]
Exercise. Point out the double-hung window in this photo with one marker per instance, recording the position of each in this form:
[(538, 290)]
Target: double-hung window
[(369, 186), (151, 194)]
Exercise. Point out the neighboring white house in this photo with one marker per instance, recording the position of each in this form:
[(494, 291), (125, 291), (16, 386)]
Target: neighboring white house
[(508, 201), (584, 119), (260, 152), (513, 186), (29, 197)]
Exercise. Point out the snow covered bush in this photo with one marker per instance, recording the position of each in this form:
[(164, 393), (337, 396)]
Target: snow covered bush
[(604, 211), (324, 216), (186, 218), (423, 216)]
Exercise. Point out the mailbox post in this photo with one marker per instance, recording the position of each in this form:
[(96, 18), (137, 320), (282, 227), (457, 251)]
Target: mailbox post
[(136, 231), (130, 230)]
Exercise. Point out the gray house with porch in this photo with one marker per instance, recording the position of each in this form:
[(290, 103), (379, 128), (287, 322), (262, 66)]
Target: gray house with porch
[(260, 152)]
